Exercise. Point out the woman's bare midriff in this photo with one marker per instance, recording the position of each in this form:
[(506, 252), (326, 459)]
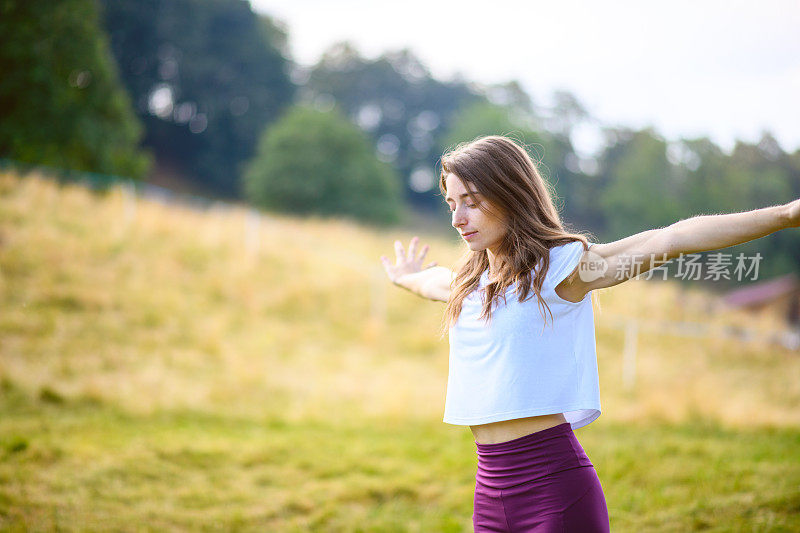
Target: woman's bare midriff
[(513, 429)]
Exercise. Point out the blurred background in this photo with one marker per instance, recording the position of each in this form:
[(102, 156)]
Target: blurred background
[(195, 329)]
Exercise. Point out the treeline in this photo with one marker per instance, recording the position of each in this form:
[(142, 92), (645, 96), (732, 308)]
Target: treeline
[(206, 90)]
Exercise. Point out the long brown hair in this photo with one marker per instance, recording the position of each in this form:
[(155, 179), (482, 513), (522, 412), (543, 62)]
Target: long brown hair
[(505, 175)]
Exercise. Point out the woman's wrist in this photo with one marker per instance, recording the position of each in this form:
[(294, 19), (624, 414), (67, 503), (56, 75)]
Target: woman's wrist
[(416, 282), (410, 282), (790, 214)]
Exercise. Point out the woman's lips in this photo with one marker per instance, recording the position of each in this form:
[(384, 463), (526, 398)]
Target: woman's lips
[(468, 236)]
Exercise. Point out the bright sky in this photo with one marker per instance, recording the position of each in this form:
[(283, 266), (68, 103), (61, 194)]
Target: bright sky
[(727, 69)]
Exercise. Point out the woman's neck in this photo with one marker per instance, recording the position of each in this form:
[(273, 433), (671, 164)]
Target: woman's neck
[(494, 263)]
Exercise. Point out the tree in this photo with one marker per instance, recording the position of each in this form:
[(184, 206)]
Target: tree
[(480, 119), (319, 162), (566, 113), (396, 100), (60, 98), (649, 183), (206, 77), (762, 177), (642, 190)]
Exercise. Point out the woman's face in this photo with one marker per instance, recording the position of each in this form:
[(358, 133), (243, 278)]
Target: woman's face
[(487, 231)]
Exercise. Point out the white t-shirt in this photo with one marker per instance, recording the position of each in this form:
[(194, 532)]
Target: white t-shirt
[(512, 368)]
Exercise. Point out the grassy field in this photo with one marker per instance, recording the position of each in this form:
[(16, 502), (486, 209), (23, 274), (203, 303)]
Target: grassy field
[(169, 369)]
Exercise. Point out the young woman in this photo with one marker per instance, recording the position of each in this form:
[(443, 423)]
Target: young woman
[(523, 367)]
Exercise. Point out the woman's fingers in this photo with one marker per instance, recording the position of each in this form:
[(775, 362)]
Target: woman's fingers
[(405, 261), (401, 254), (412, 248), (424, 251)]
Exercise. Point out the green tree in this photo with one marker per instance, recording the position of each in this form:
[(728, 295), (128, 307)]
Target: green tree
[(319, 162), (759, 167), (643, 190), (60, 98), (704, 166), (484, 118), (396, 100), (762, 178), (650, 183), (206, 77)]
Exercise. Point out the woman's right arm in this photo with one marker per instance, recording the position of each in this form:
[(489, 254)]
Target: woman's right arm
[(432, 282)]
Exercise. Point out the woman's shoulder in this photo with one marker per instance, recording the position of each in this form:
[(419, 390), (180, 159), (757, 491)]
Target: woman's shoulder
[(564, 258)]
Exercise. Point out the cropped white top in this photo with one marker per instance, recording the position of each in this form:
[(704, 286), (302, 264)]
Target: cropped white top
[(512, 367)]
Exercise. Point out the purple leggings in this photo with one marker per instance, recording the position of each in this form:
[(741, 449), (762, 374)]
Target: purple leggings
[(542, 482)]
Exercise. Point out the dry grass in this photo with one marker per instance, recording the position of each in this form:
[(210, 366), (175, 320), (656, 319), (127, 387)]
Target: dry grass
[(291, 326), (170, 307)]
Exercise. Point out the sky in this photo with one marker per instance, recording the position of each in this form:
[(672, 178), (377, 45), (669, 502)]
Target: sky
[(723, 69)]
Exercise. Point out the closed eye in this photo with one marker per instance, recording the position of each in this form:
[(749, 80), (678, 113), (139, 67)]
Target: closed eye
[(470, 205)]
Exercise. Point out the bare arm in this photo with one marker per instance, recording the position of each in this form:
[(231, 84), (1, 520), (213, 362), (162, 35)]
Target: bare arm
[(626, 258), (432, 282), (712, 232)]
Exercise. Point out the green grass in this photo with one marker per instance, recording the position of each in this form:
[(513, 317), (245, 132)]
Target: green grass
[(155, 375), (77, 465)]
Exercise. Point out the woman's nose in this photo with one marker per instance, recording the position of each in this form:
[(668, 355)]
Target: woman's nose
[(458, 218)]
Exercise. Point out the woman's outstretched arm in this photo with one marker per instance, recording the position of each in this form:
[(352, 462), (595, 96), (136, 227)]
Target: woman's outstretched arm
[(606, 265), (432, 282), (712, 232)]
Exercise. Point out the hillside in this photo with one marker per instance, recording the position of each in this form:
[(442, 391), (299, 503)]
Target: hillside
[(216, 328), (167, 306)]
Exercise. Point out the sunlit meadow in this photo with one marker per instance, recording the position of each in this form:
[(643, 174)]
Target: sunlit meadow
[(170, 368)]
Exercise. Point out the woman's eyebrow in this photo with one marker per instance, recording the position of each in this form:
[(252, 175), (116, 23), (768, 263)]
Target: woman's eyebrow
[(476, 193)]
